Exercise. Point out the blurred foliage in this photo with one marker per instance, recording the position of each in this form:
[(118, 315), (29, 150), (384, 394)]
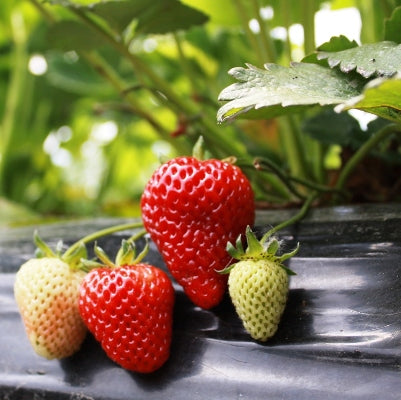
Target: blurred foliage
[(94, 94)]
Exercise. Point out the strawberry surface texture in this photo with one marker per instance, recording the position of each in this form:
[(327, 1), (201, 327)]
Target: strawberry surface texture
[(259, 290), (129, 311), (191, 209), (46, 291)]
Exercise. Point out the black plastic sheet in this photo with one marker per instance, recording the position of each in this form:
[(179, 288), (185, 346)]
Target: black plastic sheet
[(339, 338)]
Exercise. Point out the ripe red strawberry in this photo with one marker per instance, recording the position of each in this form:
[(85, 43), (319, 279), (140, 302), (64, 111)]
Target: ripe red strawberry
[(46, 291), (191, 209), (128, 308)]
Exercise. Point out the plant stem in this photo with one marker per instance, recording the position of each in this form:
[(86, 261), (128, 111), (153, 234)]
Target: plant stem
[(363, 151), (293, 146), (268, 50), (243, 15), (101, 233), (42, 9), (308, 23), (187, 69), (173, 101), (301, 214), (15, 92)]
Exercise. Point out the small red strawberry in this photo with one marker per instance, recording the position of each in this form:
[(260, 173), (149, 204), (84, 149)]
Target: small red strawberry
[(46, 290), (258, 284), (128, 308), (191, 209)]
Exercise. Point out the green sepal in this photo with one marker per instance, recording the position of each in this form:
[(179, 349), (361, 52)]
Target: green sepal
[(126, 253), (289, 271), (226, 270), (142, 254), (88, 265), (272, 246), (255, 248), (43, 250), (74, 259), (103, 257), (292, 253), (236, 251), (264, 249)]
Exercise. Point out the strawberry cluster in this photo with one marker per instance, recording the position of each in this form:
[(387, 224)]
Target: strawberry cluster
[(192, 211)]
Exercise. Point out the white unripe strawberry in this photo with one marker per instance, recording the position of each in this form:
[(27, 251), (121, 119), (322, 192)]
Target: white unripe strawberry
[(258, 284), (47, 290)]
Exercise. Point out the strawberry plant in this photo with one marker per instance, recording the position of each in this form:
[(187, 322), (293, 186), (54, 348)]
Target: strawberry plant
[(159, 80), (340, 74)]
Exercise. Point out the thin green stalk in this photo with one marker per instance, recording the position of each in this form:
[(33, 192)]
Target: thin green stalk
[(269, 166), (269, 51), (187, 69), (174, 102), (363, 151), (15, 91), (101, 233), (243, 15), (285, 5), (298, 216), (293, 147), (43, 10), (105, 70), (308, 23)]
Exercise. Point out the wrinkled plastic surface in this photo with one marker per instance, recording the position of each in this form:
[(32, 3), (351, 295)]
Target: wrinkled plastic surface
[(339, 338)]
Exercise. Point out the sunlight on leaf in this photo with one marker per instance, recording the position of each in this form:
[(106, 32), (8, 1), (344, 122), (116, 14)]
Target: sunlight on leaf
[(369, 60), (277, 90), (381, 97)]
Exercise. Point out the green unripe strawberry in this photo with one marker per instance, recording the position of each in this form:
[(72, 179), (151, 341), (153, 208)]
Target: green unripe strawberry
[(258, 284)]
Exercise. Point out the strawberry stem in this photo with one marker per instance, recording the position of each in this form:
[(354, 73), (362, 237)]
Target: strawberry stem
[(298, 216), (101, 233)]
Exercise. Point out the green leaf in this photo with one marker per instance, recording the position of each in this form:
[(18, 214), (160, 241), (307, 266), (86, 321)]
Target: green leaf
[(329, 127), (381, 97), (336, 43), (157, 16), (368, 60), (392, 25), (70, 35), (169, 16), (76, 76), (279, 90)]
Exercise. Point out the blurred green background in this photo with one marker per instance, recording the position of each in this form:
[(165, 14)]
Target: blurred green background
[(88, 110)]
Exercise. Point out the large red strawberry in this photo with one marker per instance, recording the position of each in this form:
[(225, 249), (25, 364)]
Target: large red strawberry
[(128, 308), (191, 209)]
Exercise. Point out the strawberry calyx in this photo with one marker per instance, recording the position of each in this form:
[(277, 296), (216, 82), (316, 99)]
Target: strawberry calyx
[(76, 255), (264, 249), (126, 255)]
